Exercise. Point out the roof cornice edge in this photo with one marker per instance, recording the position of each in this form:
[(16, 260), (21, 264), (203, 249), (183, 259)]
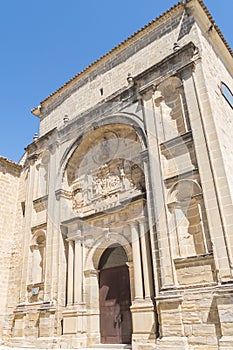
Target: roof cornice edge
[(10, 162), (181, 4)]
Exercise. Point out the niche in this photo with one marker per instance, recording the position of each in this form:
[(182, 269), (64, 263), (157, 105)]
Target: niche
[(42, 175), (173, 108), (37, 257), (188, 224)]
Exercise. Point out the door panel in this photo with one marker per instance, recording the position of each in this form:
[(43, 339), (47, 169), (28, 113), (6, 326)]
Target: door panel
[(115, 301)]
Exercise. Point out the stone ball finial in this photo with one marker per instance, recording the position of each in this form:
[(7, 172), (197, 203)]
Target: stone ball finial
[(35, 137), (176, 47), (66, 119), (130, 79)]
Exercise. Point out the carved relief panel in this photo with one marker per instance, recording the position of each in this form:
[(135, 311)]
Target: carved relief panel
[(105, 170)]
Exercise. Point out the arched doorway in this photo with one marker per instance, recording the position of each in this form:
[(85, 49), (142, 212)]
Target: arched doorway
[(114, 297)]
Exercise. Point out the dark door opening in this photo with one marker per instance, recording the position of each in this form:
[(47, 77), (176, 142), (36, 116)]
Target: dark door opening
[(114, 297)]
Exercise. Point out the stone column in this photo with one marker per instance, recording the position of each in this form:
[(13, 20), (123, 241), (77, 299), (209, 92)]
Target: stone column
[(180, 90), (202, 228), (218, 167), (92, 302), (70, 280), (151, 216), (152, 120), (143, 315), (137, 264), (53, 237), (131, 279), (146, 259), (78, 271), (205, 165)]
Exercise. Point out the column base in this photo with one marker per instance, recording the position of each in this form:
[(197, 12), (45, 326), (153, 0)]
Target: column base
[(144, 324), (171, 343), (74, 321), (226, 343), (73, 342)]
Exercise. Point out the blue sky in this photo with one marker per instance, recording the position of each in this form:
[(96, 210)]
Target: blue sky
[(45, 43)]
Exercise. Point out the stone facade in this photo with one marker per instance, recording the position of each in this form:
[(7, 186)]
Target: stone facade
[(117, 226), (10, 238)]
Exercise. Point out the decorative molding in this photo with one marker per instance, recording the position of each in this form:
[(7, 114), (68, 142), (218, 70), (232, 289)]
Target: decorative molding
[(173, 146), (191, 174), (63, 194), (185, 261), (41, 203), (39, 227), (169, 298)]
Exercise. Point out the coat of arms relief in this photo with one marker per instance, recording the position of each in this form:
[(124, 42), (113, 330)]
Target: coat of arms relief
[(107, 187), (106, 170)]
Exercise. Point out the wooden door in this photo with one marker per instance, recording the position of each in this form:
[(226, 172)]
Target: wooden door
[(115, 301)]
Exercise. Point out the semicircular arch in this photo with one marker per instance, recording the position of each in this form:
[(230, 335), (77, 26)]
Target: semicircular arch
[(100, 245), (126, 119), (183, 190)]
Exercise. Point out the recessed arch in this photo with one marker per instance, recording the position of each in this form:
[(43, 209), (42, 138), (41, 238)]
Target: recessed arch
[(105, 168), (126, 119), (38, 238), (183, 190), (113, 256), (100, 245)]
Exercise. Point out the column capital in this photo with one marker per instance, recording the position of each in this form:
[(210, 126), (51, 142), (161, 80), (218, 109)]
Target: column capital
[(158, 98), (143, 226), (145, 155), (78, 238), (142, 220), (129, 264), (73, 236), (186, 71), (32, 159), (133, 224), (91, 272), (147, 91)]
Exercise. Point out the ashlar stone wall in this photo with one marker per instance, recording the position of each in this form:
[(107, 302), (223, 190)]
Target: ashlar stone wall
[(9, 234), (110, 74)]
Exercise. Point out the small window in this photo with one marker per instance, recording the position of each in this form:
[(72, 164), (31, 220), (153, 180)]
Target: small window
[(226, 92), (23, 208)]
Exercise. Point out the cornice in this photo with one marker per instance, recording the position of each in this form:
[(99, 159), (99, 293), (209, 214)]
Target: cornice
[(10, 163)]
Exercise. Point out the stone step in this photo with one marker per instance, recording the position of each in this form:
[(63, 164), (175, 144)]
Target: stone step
[(109, 347), (95, 346)]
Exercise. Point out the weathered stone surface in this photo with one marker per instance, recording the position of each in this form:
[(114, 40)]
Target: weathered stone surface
[(137, 177)]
